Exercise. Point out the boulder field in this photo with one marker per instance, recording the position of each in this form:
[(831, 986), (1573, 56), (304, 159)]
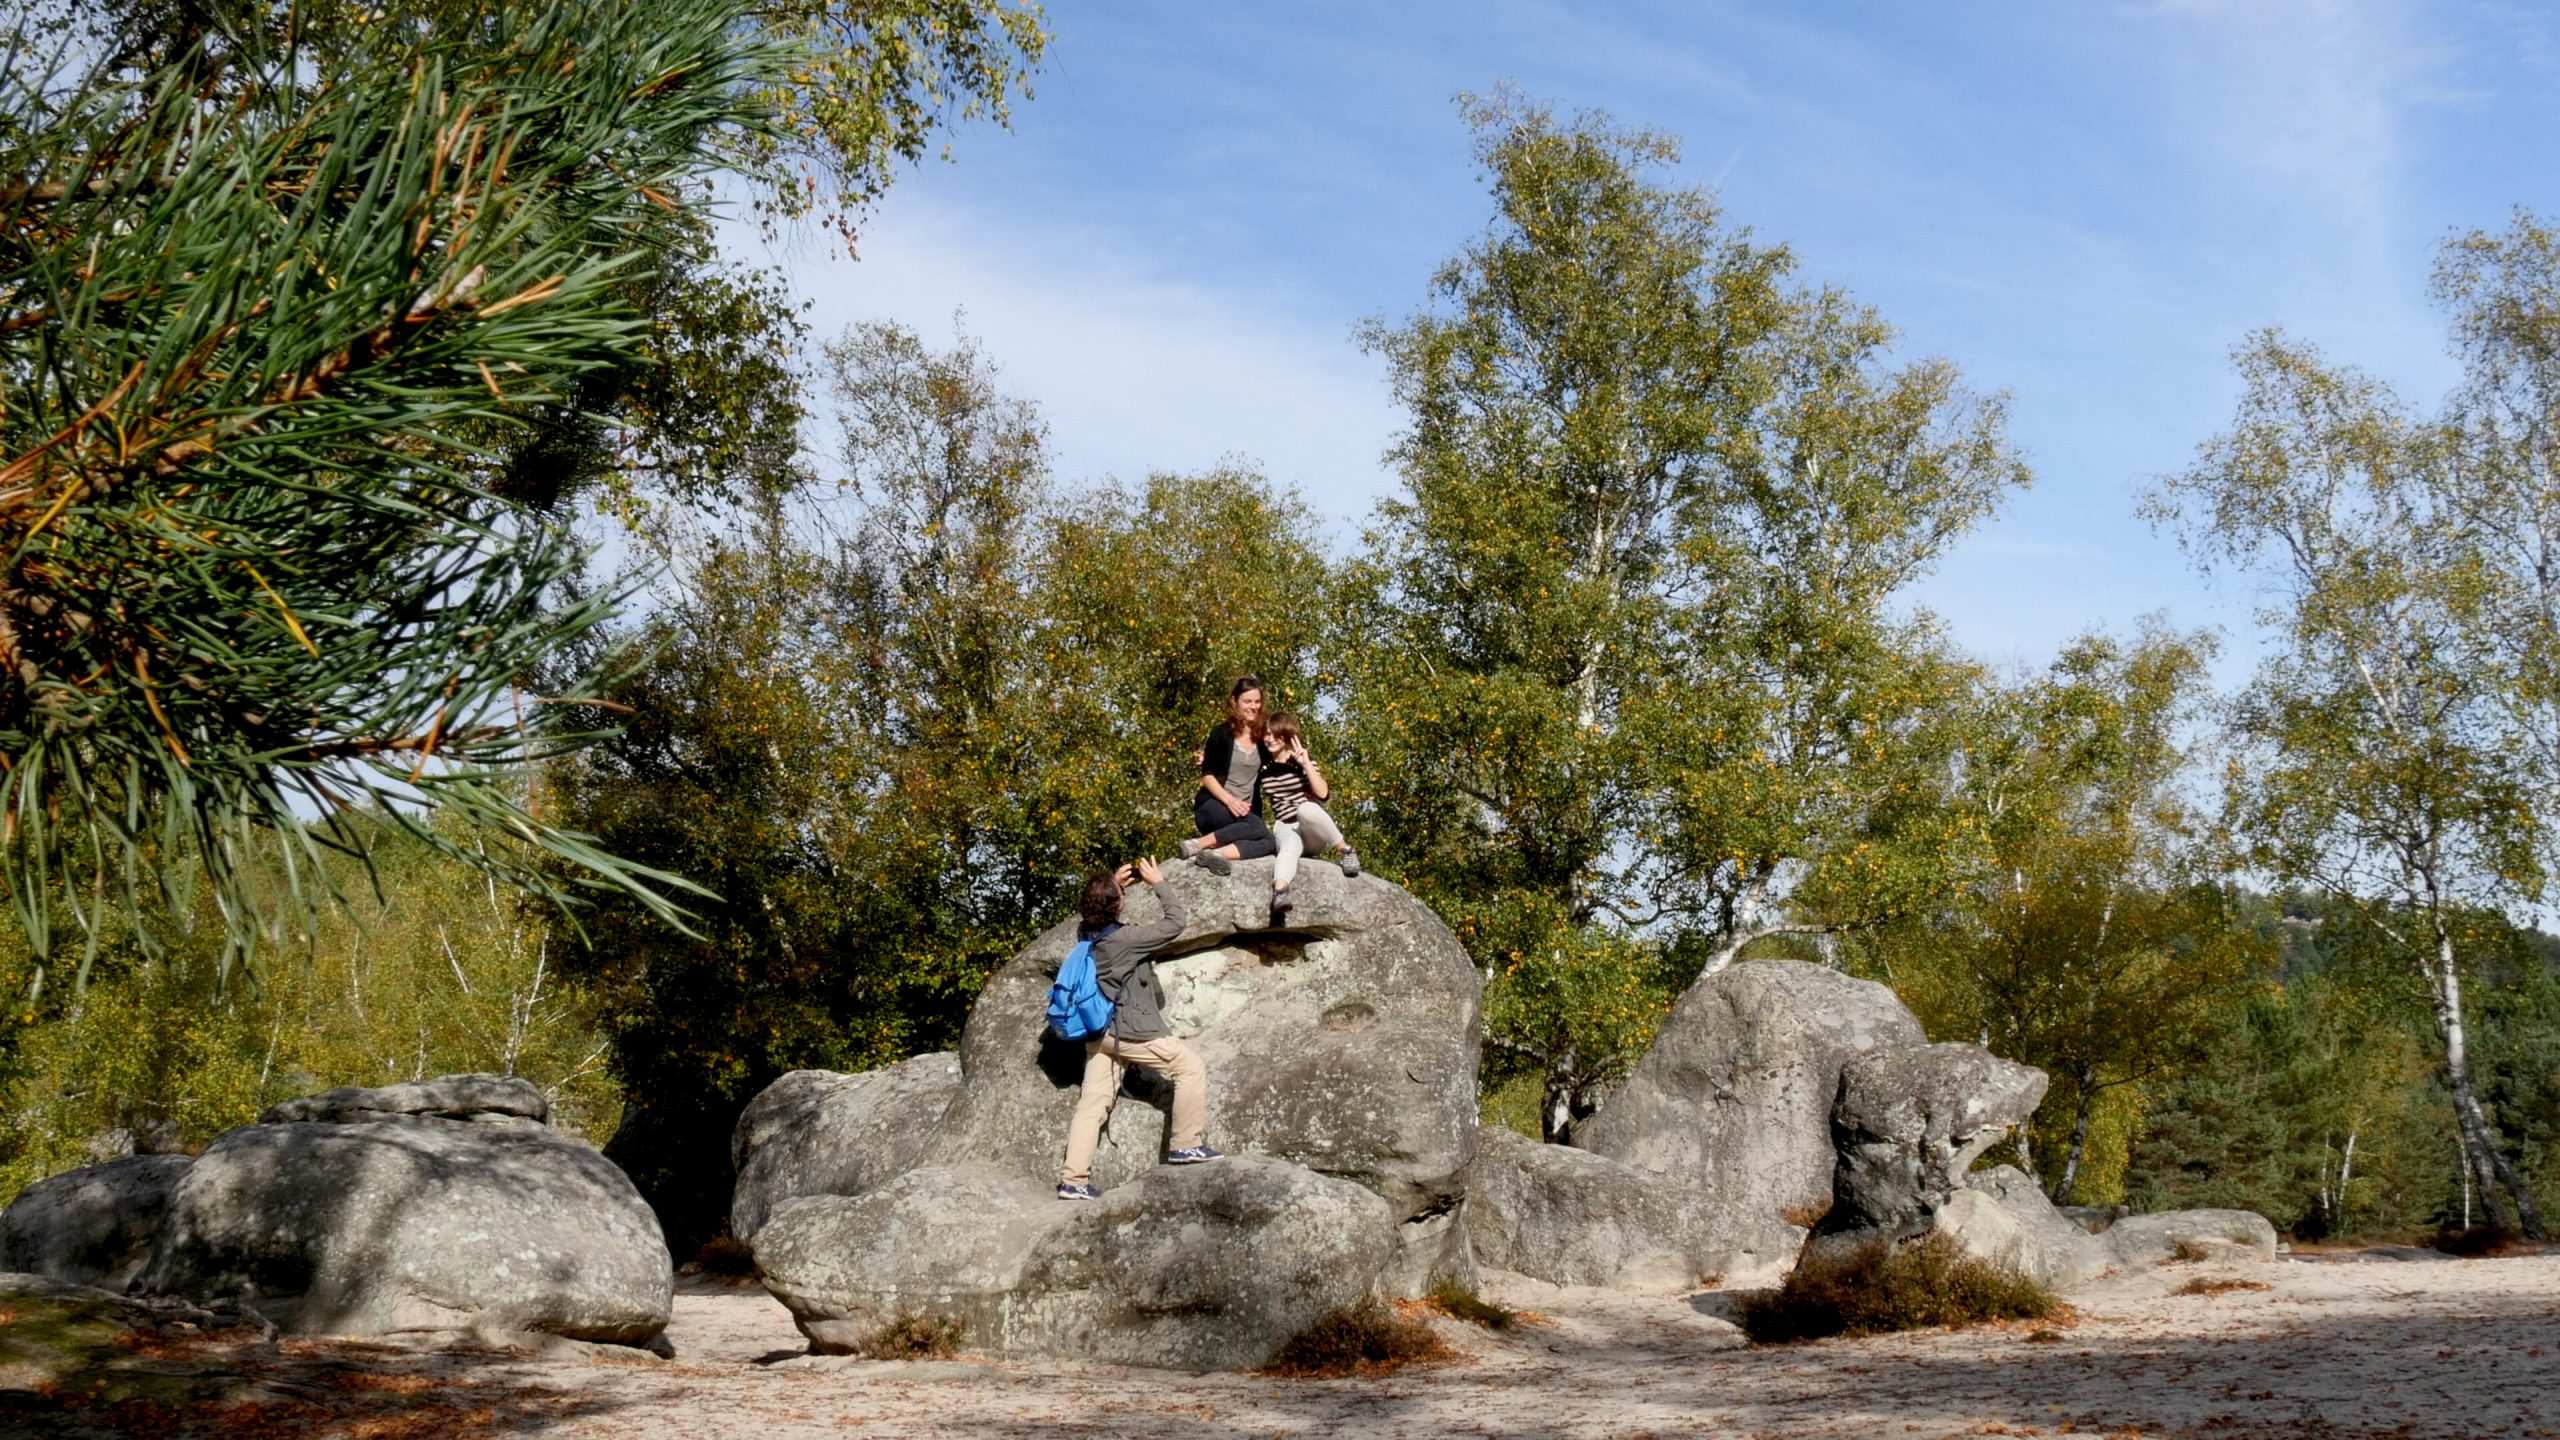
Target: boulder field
[(1781, 1104)]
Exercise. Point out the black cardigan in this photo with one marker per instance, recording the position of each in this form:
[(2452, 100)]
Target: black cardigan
[(1219, 750)]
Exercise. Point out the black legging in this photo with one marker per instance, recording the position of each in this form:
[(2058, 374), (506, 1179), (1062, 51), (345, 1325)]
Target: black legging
[(1211, 817)]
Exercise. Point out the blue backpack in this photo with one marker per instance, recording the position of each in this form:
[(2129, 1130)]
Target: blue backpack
[(1077, 1009)]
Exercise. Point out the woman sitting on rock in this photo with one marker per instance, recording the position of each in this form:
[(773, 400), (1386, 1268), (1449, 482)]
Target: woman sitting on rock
[(1296, 788), (1231, 762)]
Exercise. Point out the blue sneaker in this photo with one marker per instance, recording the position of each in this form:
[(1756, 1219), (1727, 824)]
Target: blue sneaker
[(1069, 1190), (1196, 1155)]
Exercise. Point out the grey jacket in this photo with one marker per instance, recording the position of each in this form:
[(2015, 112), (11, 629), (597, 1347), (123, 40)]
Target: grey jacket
[(1124, 965)]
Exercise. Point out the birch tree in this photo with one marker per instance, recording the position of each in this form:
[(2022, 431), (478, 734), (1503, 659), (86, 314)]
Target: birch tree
[(2382, 760), (1621, 657)]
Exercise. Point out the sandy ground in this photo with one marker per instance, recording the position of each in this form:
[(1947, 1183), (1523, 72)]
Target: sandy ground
[(2333, 1347)]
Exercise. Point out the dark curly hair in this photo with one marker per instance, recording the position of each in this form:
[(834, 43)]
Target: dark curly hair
[(1101, 902)]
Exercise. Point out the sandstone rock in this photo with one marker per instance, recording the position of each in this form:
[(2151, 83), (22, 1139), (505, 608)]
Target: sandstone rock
[(1568, 1217), (404, 1223), (2140, 1241), (1909, 1124), (502, 1100), (815, 1132), (1205, 1267), (2003, 1216), (1734, 1099), (92, 1226), (2094, 1218), (1346, 1043)]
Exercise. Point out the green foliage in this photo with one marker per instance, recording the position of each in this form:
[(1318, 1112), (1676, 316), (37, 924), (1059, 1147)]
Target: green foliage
[(1877, 1287), (249, 347), (1619, 675), (1366, 1339), (444, 973), (2091, 939), (2398, 750), (891, 736)]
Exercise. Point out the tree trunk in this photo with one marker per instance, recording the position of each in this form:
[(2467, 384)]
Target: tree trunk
[(1747, 906), (2064, 1187), (2480, 1152), (1555, 1100)]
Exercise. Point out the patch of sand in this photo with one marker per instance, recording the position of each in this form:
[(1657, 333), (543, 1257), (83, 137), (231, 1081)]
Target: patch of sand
[(2438, 1348)]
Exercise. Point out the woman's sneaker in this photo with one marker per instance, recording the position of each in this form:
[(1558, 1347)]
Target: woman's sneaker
[(1069, 1190), (1197, 1154), (1350, 863), (1214, 863), (1280, 902)]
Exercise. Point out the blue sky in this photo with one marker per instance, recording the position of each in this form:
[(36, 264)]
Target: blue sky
[(2085, 205)]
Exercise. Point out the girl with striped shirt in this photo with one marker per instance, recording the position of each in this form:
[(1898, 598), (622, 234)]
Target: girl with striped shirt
[(1295, 786)]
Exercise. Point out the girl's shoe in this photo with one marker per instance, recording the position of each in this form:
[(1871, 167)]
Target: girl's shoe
[(1280, 902), (1189, 849), (1350, 863), (1214, 863)]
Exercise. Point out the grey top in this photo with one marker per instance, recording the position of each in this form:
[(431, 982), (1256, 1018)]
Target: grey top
[(1244, 766), (1124, 966)]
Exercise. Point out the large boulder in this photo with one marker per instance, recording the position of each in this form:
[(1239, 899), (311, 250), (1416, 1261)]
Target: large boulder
[(1346, 1042), (1569, 1217), (92, 1226), (1207, 1267), (1734, 1099), (2140, 1241), (397, 1223), (815, 1132), (1910, 1123), (2002, 1215)]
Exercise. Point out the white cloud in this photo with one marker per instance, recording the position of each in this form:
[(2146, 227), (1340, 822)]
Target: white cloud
[(2309, 94), (1135, 370)]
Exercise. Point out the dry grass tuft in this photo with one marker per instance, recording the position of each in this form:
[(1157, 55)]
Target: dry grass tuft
[(2185, 1251), (1458, 1302), (2202, 1286), (1366, 1339), (1878, 1287), (2479, 1242), (913, 1337), (725, 1257)]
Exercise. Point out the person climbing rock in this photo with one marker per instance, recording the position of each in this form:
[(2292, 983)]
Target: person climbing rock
[(1124, 965)]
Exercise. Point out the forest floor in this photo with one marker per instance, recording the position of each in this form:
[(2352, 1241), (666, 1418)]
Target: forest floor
[(2391, 1342)]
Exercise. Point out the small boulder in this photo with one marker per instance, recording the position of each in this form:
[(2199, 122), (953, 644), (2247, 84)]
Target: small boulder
[(502, 1100), (2138, 1242), (816, 1132), (1910, 1123), (1207, 1267), (1734, 1098), (2003, 1216), (92, 1226), (1569, 1217), (401, 1223)]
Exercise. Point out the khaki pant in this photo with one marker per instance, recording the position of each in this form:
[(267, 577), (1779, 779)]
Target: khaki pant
[(1312, 830), (1105, 1058)]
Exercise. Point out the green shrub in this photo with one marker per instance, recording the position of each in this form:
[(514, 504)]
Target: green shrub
[(1878, 1286), (913, 1336), (1363, 1339), (1459, 1302)]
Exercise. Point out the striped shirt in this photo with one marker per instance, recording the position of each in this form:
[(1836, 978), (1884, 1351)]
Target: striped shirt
[(1285, 786)]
